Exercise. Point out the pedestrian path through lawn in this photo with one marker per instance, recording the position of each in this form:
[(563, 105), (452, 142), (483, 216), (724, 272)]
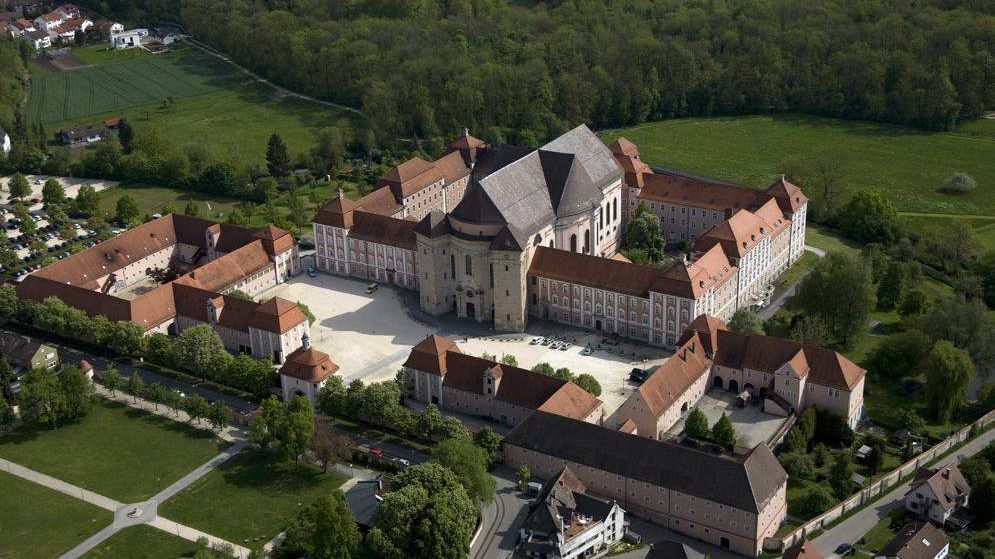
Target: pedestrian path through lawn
[(122, 453)]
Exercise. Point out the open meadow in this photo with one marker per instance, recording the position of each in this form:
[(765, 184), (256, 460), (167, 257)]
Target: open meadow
[(908, 165), (213, 104)]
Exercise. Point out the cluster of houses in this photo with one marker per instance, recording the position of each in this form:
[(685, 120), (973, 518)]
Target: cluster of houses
[(58, 26), (121, 38)]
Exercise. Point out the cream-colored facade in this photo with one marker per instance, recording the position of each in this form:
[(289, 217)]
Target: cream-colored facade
[(713, 520)]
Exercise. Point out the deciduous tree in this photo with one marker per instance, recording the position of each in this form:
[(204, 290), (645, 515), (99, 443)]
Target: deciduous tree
[(325, 529), (839, 291), (948, 373), (745, 321)]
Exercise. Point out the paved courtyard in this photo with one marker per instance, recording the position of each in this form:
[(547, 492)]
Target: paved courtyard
[(367, 336), (752, 425), (70, 184), (370, 336)]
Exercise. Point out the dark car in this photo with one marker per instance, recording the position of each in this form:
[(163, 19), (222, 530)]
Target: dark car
[(638, 375), (844, 549)]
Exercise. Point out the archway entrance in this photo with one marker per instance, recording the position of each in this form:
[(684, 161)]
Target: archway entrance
[(733, 386), (748, 386), (597, 325), (471, 310), (717, 382)]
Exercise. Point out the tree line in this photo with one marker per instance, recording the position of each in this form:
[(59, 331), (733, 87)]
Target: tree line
[(523, 73)]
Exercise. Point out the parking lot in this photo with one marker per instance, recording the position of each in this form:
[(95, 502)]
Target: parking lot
[(70, 184), (752, 425), (370, 336)]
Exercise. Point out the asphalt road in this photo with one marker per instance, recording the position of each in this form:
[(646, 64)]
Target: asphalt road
[(853, 528)]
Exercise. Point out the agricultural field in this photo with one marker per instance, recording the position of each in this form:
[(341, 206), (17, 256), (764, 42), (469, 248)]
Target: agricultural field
[(213, 104), (906, 164)]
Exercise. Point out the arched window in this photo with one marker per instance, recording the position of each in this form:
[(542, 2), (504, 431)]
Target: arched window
[(587, 241), (573, 243), (551, 245), (469, 265), (614, 209), (537, 241)]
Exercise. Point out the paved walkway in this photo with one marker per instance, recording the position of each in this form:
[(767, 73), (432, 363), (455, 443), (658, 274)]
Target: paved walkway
[(132, 514), (854, 527), (228, 433)]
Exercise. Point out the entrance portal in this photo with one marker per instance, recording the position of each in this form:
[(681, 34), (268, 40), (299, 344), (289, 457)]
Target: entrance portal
[(717, 382), (733, 386), (471, 310), (597, 325)]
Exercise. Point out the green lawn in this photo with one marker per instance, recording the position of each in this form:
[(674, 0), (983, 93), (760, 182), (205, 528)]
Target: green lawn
[(39, 523), (122, 453), (214, 105), (249, 499), (907, 164), (143, 542)]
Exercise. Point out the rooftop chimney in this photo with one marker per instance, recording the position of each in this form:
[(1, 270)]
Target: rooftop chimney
[(306, 341)]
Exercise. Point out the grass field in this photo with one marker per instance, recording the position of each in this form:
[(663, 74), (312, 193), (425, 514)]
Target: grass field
[(907, 164), (143, 542), (37, 522), (214, 104), (249, 499), (116, 451)]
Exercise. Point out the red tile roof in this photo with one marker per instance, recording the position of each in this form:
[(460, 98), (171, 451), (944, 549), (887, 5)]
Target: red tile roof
[(788, 196), (737, 235), (430, 355), (384, 230), (381, 201), (592, 271), (682, 190), (410, 177), (228, 269), (309, 364), (277, 315), (337, 213), (670, 381)]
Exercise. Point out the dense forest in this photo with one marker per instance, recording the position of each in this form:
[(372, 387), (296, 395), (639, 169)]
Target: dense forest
[(523, 71), (11, 85)]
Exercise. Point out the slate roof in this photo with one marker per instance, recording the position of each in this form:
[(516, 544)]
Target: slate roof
[(745, 482), (562, 499), (916, 540), (18, 349), (673, 550), (591, 152)]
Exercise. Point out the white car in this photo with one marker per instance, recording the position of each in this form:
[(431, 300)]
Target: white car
[(536, 341), (565, 346), (554, 345), (587, 351)]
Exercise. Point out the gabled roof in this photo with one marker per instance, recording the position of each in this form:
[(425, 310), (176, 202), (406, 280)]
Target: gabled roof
[(571, 189), (745, 482), (410, 177), (224, 271), (563, 508), (669, 381), (946, 483), (691, 279), (19, 350), (802, 550), (671, 188), (916, 540), (519, 387), (381, 201), (622, 146), (384, 230), (673, 550), (592, 271), (590, 152)]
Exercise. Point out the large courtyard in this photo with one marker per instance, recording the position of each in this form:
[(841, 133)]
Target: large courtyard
[(752, 425), (370, 335)]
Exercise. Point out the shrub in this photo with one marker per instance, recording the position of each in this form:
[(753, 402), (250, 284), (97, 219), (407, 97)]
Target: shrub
[(960, 182)]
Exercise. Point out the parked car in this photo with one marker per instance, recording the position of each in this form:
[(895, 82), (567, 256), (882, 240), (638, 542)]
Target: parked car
[(536, 341), (373, 287), (638, 375), (565, 346), (844, 549), (587, 350), (546, 341), (311, 273), (554, 345)]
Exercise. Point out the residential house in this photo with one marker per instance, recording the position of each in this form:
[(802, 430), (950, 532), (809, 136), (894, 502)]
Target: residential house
[(441, 374), (565, 522), (40, 39), (25, 353), (916, 540), (804, 549), (936, 494), (81, 135), (305, 372), (128, 39)]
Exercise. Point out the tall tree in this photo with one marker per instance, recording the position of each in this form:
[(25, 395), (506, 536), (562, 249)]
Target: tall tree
[(77, 393), (869, 217), (325, 529), (469, 462), (696, 425), (111, 379), (840, 292), (277, 156), (948, 373), (18, 187), (723, 432), (126, 210), (52, 194), (839, 476), (42, 400), (297, 428), (588, 383), (643, 234), (745, 321), (125, 135)]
